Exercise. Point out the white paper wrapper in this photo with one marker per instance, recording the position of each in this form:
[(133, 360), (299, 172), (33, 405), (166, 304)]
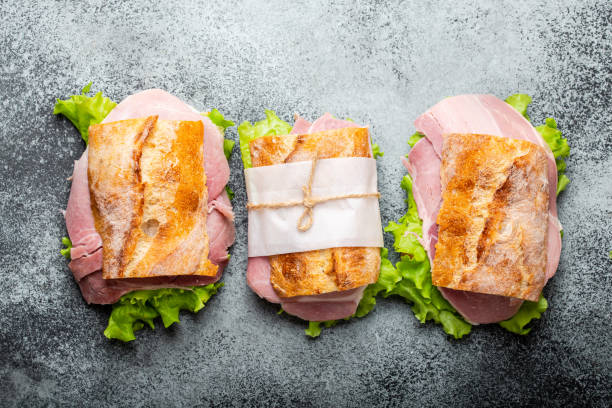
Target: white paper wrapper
[(347, 222)]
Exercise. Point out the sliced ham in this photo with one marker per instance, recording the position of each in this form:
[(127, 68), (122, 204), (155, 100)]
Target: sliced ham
[(169, 107), (480, 308), (481, 114), (425, 173), (300, 126), (258, 278), (223, 205), (328, 122), (107, 291), (221, 230), (79, 219), (86, 264), (86, 253), (329, 306)]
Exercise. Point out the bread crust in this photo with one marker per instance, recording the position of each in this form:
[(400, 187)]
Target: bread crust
[(326, 270), (149, 197), (494, 216)]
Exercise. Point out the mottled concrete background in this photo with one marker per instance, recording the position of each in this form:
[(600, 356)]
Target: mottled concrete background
[(380, 63)]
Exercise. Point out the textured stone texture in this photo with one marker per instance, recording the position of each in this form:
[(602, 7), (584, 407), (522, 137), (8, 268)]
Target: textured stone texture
[(380, 63)]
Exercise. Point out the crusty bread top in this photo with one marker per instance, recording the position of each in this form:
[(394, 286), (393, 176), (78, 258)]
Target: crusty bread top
[(345, 142), (494, 216), (326, 270), (149, 197)]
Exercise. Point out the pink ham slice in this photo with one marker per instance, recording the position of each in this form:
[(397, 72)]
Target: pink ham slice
[(424, 168), (169, 107), (86, 253), (80, 223), (480, 308), (300, 126), (328, 122), (106, 291), (484, 114), (329, 306), (220, 229)]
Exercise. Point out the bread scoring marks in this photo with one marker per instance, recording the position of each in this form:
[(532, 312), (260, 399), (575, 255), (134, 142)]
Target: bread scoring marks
[(494, 216), (149, 195)]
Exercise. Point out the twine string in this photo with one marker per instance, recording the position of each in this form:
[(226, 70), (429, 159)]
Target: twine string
[(308, 201)]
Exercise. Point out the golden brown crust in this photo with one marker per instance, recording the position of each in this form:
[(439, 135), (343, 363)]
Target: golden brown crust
[(493, 220), (149, 197), (345, 142), (326, 270)]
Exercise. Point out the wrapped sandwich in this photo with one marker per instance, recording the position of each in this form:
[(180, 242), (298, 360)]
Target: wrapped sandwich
[(315, 233), (148, 216), (487, 237)]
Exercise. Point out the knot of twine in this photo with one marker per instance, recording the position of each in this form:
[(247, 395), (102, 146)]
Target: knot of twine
[(308, 202)]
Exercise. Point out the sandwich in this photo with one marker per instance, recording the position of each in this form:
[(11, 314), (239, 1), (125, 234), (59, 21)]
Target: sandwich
[(328, 269), (148, 217), (481, 237)]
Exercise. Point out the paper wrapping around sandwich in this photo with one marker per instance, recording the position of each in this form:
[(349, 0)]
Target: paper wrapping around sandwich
[(149, 197), (493, 221), (341, 250), (338, 223)]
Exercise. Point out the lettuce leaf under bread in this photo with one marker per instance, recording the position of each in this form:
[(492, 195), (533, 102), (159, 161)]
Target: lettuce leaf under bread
[(527, 312), (141, 307), (83, 110), (273, 125), (414, 284)]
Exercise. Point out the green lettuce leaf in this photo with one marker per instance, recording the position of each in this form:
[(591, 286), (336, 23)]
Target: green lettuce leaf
[(136, 308), (416, 136), (228, 146), (520, 102), (376, 152), (414, 280), (558, 144), (67, 247), (230, 192), (218, 119), (83, 110), (247, 132), (314, 328), (527, 312), (387, 279), (551, 135)]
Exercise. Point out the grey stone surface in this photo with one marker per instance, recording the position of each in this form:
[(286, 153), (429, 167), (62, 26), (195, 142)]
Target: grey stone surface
[(380, 63)]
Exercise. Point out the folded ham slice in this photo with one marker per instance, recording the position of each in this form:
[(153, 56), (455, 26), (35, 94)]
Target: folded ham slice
[(479, 114), (86, 253), (326, 306)]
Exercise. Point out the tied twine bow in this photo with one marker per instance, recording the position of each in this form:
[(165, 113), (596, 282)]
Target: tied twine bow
[(308, 202)]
